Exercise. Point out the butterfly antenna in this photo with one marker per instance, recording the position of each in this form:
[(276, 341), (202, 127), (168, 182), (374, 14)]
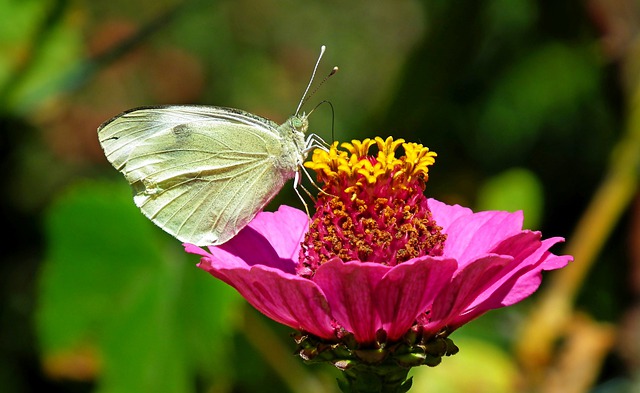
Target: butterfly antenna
[(333, 114), (333, 72), (304, 96)]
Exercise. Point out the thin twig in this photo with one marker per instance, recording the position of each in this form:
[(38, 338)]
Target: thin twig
[(555, 306), (85, 70)]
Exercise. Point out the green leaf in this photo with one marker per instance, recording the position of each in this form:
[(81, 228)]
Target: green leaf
[(515, 189), (114, 282), (479, 367), (40, 45)]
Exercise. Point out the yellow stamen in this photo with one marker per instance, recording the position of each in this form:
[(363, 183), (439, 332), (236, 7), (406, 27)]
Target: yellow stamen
[(356, 164)]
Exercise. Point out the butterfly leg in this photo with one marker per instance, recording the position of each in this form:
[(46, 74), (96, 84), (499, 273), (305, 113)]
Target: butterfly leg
[(306, 172), (297, 182), (314, 141)]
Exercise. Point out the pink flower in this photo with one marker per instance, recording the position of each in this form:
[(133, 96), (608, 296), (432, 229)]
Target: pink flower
[(380, 276), (488, 262), (378, 260)]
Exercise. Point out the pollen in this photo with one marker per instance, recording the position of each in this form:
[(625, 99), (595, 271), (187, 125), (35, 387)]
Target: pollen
[(372, 206)]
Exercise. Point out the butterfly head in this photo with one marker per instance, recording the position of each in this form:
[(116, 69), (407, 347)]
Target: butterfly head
[(299, 123)]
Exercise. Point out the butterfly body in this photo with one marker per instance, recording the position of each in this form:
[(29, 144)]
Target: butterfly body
[(202, 173)]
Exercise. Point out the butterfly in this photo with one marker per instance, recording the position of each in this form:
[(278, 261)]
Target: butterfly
[(202, 173)]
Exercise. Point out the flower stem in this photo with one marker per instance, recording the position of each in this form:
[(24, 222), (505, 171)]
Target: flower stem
[(364, 378)]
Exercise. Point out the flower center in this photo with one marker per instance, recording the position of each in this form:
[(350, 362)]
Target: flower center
[(371, 208)]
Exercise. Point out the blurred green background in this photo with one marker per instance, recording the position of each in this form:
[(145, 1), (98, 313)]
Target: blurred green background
[(526, 102)]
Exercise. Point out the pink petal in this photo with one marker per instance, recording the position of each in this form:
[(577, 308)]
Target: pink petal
[(445, 214), (256, 262), (528, 274), (284, 229), (472, 235), (351, 290), (521, 247), (193, 249), (528, 271), (221, 257), (270, 239), (285, 298), (465, 287), (517, 281), (408, 289)]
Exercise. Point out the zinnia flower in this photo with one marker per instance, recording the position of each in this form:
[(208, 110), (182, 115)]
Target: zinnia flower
[(381, 275)]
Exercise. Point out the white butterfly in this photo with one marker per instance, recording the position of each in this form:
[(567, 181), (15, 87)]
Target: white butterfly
[(202, 173)]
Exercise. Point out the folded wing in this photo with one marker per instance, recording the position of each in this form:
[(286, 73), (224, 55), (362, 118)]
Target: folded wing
[(200, 173)]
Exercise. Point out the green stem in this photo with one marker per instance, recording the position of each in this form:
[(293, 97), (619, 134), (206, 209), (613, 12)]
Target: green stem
[(555, 306), (364, 378), (78, 75), (34, 50)]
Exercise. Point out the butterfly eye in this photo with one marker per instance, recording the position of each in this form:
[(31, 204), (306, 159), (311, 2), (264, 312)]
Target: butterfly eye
[(299, 123)]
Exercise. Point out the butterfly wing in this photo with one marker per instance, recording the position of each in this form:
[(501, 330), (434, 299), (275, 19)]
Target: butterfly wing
[(199, 173)]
